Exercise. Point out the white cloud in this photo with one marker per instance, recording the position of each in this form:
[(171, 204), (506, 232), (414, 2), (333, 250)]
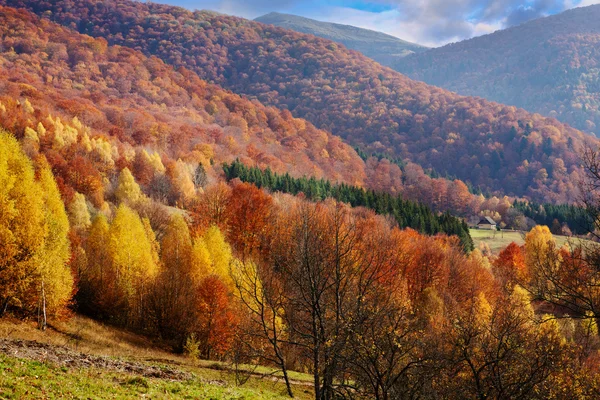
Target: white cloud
[(415, 24), (585, 3), (428, 22)]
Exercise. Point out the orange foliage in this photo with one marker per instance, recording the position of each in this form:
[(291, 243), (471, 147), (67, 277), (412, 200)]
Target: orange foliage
[(216, 319), (346, 93), (250, 218), (510, 267)]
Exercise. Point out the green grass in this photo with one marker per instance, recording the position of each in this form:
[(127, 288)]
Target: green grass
[(499, 240), (25, 379), (29, 379)]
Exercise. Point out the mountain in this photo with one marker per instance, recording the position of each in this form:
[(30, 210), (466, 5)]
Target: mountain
[(93, 109), (501, 149), (385, 49), (549, 65)]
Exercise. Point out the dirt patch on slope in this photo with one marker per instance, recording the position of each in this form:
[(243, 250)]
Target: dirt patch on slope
[(64, 357)]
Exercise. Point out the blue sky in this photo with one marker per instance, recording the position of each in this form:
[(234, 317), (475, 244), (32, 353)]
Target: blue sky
[(428, 22)]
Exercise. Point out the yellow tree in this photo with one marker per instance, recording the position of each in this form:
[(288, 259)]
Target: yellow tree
[(79, 214), (173, 297), (540, 257), (94, 280), (201, 262), (220, 255), (177, 246), (151, 236), (128, 191), (263, 312), (133, 264), (52, 261), (537, 242), (33, 233), (22, 222)]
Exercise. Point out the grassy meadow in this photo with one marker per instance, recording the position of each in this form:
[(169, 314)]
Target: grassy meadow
[(96, 361), (499, 240)]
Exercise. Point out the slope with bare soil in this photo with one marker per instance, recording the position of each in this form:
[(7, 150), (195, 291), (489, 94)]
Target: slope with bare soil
[(82, 358)]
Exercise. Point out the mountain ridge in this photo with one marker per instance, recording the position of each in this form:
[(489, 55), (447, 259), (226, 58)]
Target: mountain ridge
[(548, 65), (500, 148), (379, 46)]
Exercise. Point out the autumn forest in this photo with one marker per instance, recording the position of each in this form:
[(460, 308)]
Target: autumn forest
[(249, 195)]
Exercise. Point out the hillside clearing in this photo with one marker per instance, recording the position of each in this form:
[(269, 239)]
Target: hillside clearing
[(499, 240), (82, 358)]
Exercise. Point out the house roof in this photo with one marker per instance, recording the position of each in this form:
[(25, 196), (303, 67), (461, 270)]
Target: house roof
[(486, 220)]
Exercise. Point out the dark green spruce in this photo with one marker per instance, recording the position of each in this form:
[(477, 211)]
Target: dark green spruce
[(408, 214), (577, 218)]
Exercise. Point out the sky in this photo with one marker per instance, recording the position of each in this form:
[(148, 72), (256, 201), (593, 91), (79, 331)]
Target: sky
[(428, 22)]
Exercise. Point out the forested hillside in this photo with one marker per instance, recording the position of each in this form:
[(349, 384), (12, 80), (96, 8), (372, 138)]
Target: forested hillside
[(132, 109), (407, 214), (111, 104), (384, 49), (498, 148), (549, 66)]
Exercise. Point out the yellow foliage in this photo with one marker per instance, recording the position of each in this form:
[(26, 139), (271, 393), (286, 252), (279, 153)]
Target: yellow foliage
[(33, 232), (128, 152), (156, 162), (28, 107), (130, 250), (151, 236), (41, 130), (248, 283), (79, 214), (182, 180), (482, 310), (97, 250), (201, 263), (538, 242), (521, 298), (176, 246), (31, 134), (220, 255), (431, 304), (589, 325), (64, 135), (206, 150), (52, 261), (480, 259), (104, 150), (22, 220), (77, 124), (86, 142), (128, 191)]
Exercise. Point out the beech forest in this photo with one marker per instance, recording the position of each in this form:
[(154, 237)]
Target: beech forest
[(247, 195)]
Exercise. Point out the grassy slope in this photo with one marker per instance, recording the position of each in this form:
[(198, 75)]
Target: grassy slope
[(23, 378), (26, 379), (499, 240)]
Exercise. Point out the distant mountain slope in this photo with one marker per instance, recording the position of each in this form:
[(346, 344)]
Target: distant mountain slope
[(124, 102), (549, 65), (499, 148), (385, 49)]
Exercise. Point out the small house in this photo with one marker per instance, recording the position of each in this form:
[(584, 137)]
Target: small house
[(487, 223)]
